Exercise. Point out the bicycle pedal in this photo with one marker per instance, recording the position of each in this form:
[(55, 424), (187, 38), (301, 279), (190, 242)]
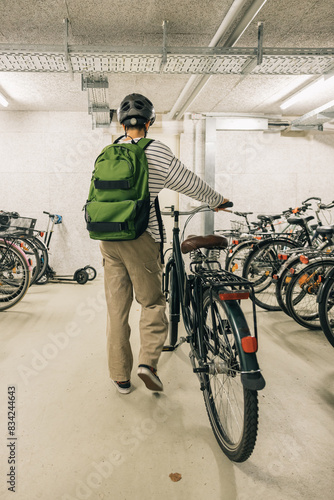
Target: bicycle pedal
[(168, 348)]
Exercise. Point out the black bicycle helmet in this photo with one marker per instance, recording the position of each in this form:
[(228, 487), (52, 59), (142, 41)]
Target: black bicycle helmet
[(135, 109)]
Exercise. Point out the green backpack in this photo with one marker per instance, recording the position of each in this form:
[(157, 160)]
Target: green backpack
[(118, 204)]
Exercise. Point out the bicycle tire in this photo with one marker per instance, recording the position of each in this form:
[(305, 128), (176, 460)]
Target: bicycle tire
[(260, 266), (301, 295), (236, 258), (174, 307), (43, 255), (326, 312), (283, 281), (15, 275), (224, 394), (293, 266)]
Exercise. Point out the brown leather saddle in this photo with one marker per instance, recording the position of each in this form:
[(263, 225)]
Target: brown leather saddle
[(209, 241)]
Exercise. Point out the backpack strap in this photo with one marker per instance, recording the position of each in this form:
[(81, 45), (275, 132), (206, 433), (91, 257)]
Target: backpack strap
[(161, 231), (116, 141), (143, 142)]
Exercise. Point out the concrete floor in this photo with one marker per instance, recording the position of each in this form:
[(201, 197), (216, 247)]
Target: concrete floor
[(79, 439)]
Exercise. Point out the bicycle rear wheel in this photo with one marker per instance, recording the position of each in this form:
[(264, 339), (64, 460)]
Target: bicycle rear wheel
[(14, 275), (232, 408)]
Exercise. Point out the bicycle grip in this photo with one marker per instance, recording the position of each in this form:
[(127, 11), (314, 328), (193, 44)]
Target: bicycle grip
[(228, 204)]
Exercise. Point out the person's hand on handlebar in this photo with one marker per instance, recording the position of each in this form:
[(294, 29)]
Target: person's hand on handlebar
[(226, 204)]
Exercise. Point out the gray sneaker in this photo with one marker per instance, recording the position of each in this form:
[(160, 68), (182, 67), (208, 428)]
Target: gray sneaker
[(150, 378)]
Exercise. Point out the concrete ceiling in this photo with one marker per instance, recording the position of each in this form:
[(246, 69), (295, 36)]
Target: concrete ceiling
[(110, 23)]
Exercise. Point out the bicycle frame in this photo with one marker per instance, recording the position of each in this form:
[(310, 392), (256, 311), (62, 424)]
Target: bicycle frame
[(190, 291)]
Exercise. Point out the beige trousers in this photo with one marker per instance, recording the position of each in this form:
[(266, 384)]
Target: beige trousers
[(133, 265)]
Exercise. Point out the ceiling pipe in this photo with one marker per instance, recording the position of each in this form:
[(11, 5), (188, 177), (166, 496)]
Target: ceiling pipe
[(200, 81), (230, 17)]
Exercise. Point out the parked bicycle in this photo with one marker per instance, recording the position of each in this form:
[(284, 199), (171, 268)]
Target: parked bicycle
[(222, 347), (15, 268)]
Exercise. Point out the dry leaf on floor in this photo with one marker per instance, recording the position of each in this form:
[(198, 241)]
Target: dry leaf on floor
[(175, 476)]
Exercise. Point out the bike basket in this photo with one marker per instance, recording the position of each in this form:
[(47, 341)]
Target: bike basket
[(239, 226), (23, 226)]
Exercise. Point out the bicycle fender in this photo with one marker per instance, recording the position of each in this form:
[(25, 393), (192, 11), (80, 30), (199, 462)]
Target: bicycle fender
[(251, 376)]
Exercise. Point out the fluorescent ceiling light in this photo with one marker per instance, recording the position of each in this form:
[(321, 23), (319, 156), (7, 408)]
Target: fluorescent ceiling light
[(308, 92), (3, 100), (241, 123)]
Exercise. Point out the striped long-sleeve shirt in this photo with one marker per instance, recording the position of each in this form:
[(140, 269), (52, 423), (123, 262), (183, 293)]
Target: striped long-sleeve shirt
[(166, 171)]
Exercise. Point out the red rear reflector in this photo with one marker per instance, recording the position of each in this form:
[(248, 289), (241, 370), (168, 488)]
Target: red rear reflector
[(249, 344), (235, 242), (41, 233), (303, 259), (258, 237), (292, 270), (234, 295), (21, 244), (275, 277), (282, 256)]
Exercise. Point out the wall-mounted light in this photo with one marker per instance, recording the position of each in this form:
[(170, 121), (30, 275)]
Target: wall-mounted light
[(3, 100)]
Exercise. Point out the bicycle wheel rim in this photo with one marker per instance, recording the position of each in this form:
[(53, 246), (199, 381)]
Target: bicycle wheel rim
[(260, 267), (232, 409), (43, 255), (14, 276)]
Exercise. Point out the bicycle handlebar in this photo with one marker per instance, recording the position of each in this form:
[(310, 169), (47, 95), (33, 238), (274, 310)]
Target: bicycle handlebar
[(322, 206), (201, 208), (311, 198), (58, 219)]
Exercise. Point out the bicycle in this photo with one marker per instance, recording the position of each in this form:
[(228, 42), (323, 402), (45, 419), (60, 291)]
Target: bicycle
[(263, 264), (15, 269), (222, 347)]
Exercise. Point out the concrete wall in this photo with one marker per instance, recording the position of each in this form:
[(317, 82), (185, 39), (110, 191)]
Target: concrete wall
[(266, 172)]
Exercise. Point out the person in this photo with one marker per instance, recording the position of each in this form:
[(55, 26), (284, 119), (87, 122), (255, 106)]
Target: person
[(136, 265)]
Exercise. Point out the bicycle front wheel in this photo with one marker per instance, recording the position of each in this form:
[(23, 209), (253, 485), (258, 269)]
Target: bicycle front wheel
[(14, 275), (232, 408)]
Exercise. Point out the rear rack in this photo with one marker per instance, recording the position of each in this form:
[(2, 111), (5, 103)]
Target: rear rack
[(223, 278), (229, 285), (20, 226)]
